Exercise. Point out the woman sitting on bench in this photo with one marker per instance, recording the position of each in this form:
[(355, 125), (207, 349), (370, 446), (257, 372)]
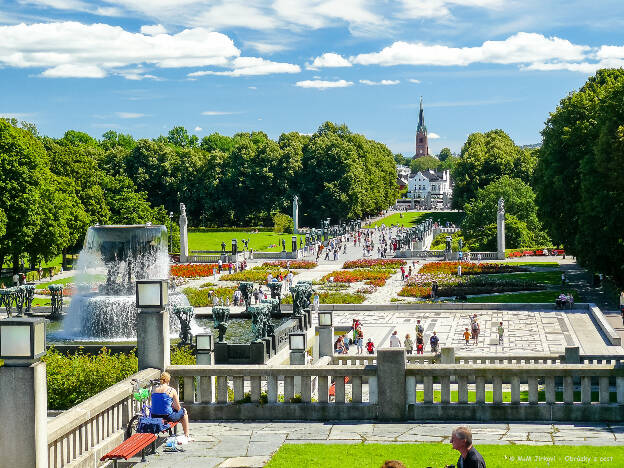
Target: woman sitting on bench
[(166, 405)]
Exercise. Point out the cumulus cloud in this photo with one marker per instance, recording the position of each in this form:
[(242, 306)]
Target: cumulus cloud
[(129, 115), (519, 48), (433, 136), (418, 9), (153, 30), (72, 49), (412, 80), (198, 129), (382, 82), (321, 84), (329, 59), (249, 66), (265, 47)]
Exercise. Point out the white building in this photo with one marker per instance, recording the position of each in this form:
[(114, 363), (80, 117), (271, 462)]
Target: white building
[(403, 173), (437, 184)]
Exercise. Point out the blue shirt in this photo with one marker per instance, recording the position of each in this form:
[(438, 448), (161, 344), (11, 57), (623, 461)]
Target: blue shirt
[(161, 404)]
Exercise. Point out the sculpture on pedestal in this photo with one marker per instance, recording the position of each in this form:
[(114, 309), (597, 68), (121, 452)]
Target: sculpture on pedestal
[(246, 289), (184, 315), (260, 321), (56, 300), (220, 315)]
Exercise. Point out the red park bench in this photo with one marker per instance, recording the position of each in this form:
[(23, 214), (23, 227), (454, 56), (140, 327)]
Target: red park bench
[(134, 444)]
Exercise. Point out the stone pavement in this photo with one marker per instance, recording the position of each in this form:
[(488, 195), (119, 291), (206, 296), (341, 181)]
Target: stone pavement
[(251, 444)]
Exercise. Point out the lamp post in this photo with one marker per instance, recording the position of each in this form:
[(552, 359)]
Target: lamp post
[(297, 344), (23, 388), (326, 333), (152, 298)]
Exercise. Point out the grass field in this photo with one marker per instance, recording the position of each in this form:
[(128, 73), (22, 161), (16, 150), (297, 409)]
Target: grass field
[(533, 264), (437, 455), (525, 297), (542, 277), (261, 241), (412, 218)]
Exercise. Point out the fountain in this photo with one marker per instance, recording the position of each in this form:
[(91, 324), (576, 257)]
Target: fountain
[(112, 259)]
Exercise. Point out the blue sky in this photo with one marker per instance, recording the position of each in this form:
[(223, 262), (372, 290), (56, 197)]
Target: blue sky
[(142, 67)]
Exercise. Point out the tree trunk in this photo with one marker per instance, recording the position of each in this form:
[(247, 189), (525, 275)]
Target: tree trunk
[(64, 262)]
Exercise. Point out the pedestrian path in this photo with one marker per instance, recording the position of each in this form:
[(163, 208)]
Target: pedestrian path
[(251, 444)]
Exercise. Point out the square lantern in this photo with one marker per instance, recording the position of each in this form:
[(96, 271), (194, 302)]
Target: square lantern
[(152, 294), (203, 342), (22, 340), (325, 318), (297, 342)]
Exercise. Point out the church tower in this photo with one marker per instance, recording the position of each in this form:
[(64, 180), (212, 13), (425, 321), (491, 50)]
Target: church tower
[(422, 146)]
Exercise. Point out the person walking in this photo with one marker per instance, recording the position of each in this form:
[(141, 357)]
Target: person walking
[(475, 332), (434, 342), (409, 344), (370, 346), (419, 328), (394, 340), (501, 331), (360, 341), (467, 336), (434, 289), (420, 344)]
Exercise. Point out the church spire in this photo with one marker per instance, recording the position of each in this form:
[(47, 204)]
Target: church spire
[(421, 118), (422, 145)]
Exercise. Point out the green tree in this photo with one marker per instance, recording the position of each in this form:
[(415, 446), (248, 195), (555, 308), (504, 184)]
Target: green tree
[(523, 226), (424, 163), (485, 157), (179, 136), (444, 154)]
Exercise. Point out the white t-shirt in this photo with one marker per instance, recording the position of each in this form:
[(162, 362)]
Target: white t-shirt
[(395, 342)]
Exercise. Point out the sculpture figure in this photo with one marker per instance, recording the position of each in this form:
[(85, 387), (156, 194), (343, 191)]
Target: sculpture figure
[(182, 210), (6, 299), (184, 315), (56, 300), (30, 296), (246, 289), (260, 319), (301, 293), (220, 315)]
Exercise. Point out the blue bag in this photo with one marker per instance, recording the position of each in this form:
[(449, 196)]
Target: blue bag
[(152, 425)]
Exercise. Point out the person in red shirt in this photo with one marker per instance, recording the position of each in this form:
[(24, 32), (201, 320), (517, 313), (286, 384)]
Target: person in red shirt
[(370, 346)]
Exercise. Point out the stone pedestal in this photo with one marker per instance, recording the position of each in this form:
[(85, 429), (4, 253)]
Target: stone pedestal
[(153, 339), (24, 408), (392, 398), (447, 356), (203, 358), (326, 341), (297, 358), (295, 215), (572, 355)]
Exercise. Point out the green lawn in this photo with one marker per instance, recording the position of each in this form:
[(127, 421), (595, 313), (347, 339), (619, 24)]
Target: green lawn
[(261, 241), (412, 218), (542, 277), (421, 455), (525, 297), (533, 264)]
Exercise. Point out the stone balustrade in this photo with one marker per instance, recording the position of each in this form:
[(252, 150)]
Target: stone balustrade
[(82, 434)]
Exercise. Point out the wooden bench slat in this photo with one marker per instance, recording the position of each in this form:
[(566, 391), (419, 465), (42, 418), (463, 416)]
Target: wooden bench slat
[(130, 447)]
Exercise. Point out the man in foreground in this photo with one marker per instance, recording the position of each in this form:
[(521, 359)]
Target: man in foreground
[(461, 440)]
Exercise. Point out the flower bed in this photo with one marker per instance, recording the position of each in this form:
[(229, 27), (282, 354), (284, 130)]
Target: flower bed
[(203, 298), (256, 274), (68, 291), (334, 298), (374, 263), (448, 285), (296, 264), (353, 276), (415, 291), (469, 268), (194, 270)]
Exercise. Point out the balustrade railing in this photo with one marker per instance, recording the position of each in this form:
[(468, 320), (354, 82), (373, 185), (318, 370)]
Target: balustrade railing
[(95, 425)]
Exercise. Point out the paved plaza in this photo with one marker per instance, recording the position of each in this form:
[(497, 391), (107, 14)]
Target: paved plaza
[(526, 332), (242, 444)]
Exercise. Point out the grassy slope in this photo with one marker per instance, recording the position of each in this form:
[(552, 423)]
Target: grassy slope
[(524, 297), (420, 455), (542, 277), (412, 218), (259, 242)]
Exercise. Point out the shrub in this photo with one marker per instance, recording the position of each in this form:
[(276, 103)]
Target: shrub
[(469, 268), (333, 297), (352, 276), (74, 378), (256, 274)]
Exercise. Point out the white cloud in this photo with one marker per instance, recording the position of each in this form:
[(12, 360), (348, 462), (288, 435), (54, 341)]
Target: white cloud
[(265, 47), (198, 129), (252, 87), (218, 113), (412, 80), (251, 66), (329, 59), (382, 82), (72, 49), (153, 30), (320, 84), (129, 115), (433, 136), (414, 9), (15, 115), (519, 48), (69, 70)]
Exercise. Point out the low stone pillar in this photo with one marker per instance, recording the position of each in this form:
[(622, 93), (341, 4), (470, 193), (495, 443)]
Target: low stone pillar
[(153, 339), (297, 358), (392, 396), (572, 355), (447, 355), (326, 341), (24, 409)]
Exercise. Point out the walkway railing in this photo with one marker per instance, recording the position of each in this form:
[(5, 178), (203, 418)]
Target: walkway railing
[(95, 426)]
